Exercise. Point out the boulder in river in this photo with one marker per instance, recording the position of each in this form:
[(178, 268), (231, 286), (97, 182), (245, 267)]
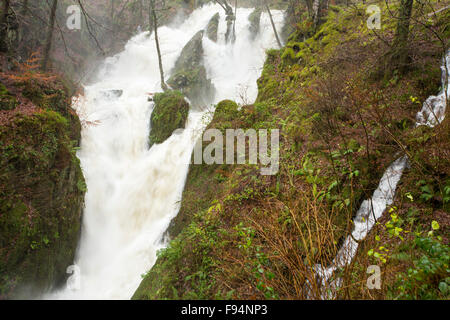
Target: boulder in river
[(213, 26), (170, 113), (254, 18), (189, 74)]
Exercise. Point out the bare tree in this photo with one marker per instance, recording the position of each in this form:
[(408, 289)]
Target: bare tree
[(399, 51), (230, 18), (273, 24), (233, 39), (318, 7), (111, 15), (3, 26), (309, 6), (155, 28), (24, 7), (48, 41)]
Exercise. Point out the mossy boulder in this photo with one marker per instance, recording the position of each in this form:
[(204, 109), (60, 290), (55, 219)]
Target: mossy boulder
[(212, 27), (226, 110), (41, 201), (170, 113), (189, 74), (47, 94), (254, 18), (7, 100)]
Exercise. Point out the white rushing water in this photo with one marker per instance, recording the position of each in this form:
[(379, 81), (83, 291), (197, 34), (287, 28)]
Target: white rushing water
[(432, 113), (133, 191)]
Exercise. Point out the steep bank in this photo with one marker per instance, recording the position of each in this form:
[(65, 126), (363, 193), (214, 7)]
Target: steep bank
[(241, 235), (42, 186)]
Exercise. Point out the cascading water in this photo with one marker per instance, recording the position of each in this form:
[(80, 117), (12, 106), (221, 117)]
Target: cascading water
[(133, 191)]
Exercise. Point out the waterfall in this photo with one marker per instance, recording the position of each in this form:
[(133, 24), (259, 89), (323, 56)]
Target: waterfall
[(133, 191), (431, 114)]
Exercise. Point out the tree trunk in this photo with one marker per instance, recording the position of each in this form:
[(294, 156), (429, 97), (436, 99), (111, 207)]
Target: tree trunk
[(155, 27), (141, 15), (309, 5), (112, 16), (4, 27), (273, 24), (316, 8), (25, 7), (150, 19), (234, 22), (230, 18), (399, 51), (48, 41)]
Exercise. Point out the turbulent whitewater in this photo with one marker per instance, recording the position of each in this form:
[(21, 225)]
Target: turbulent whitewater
[(133, 191)]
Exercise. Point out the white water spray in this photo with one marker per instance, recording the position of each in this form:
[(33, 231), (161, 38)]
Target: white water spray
[(133, 192)]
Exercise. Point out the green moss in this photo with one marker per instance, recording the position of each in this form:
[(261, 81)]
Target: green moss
[(47, 95), (184, 261), (170, 113), (40, 202), (7, 101), (226, 110)]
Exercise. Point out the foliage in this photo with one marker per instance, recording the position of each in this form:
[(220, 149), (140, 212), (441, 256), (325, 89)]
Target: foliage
[(429, 277)]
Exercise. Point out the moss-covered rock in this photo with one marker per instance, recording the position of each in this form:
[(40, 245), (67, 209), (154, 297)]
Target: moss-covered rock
[(41, 200), (7, 101), (47, 95), (212, 27), (170, 113), (226, 110), (189, 74), (254, 18)]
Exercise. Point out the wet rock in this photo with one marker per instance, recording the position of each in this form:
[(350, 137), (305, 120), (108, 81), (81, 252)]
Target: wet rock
[(211, 29), (189, 74), (114, 93), (42, 195), (254, 18), (170, 113)]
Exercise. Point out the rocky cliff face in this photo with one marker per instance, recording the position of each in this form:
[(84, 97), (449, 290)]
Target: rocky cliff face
[(41, 186)]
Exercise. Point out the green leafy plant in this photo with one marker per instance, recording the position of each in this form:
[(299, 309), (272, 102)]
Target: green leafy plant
[(428, 278)]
